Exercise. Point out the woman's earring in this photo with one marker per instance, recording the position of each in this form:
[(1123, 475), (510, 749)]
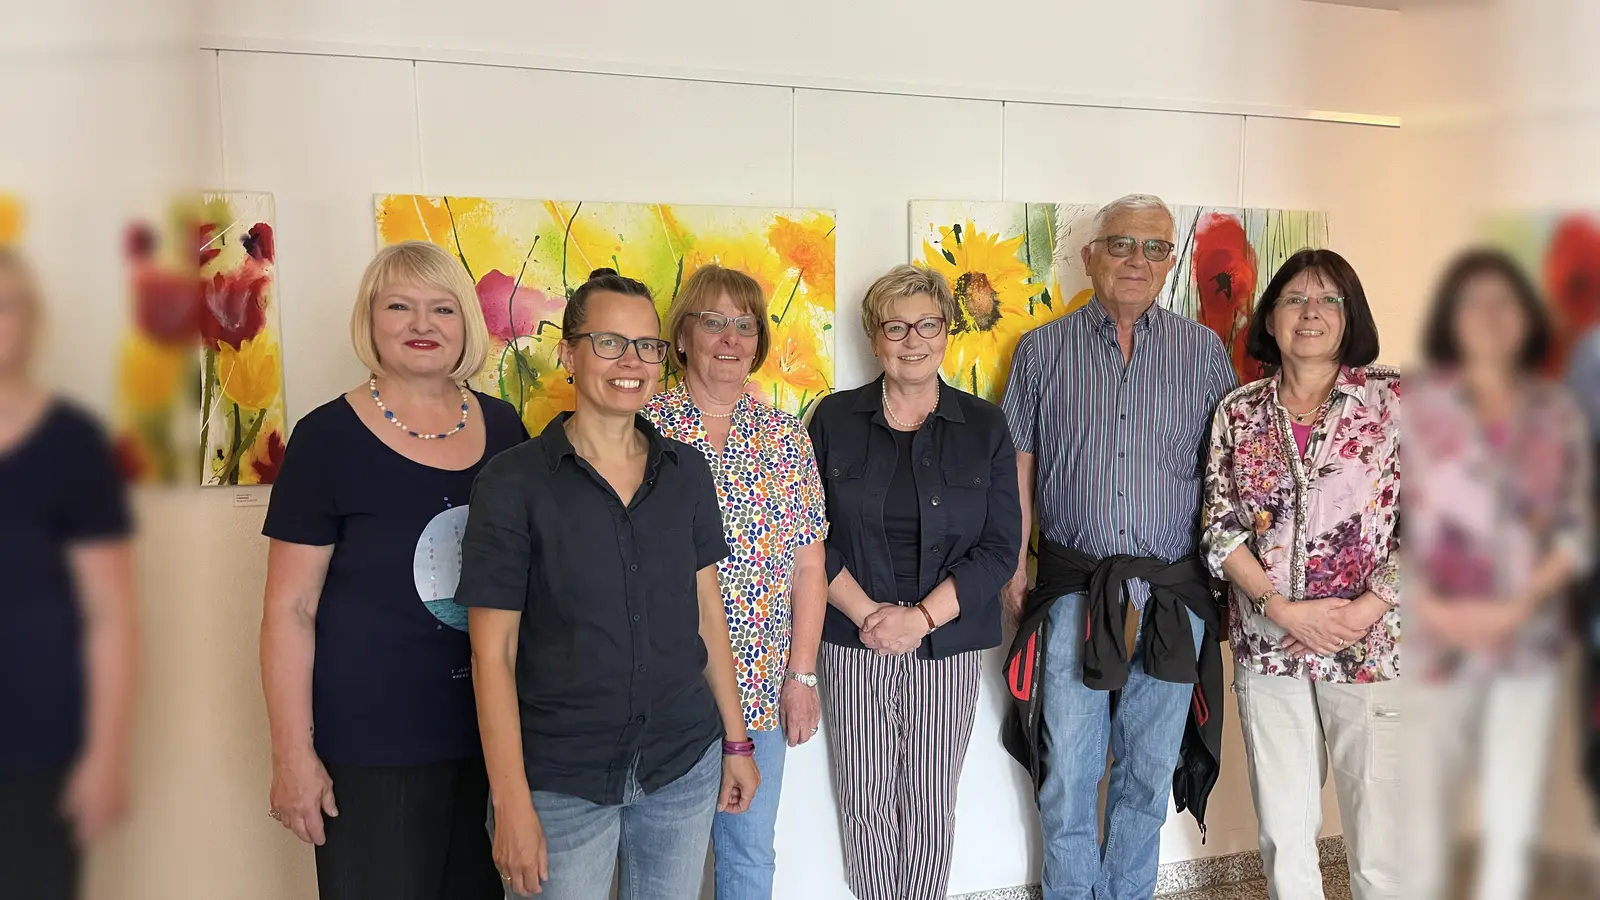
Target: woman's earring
[(569, 379)]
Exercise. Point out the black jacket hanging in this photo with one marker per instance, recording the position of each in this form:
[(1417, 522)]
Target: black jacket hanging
[(1175, 589)]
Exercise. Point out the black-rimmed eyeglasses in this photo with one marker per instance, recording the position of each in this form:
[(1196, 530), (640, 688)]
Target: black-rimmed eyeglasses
[(609, 345), (1122, 246)]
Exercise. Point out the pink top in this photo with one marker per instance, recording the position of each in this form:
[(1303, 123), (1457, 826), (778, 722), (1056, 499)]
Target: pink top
[(1302, 435)]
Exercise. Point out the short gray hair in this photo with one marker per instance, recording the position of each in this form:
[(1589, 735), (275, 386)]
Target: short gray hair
[(1134, 203)]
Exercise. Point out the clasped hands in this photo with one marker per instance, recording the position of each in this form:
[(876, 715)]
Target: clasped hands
[(892, 629)]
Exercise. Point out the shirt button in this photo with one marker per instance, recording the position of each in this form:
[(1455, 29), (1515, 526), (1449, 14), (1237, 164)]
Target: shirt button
[(634, 567), (641, 668), (1121, 494), (1122, 531), (935, 548), (640, 720), (927, 461), (1124, 416), (935, 501), (977, 481), (636, 617), (834, 472), (1120, 454)]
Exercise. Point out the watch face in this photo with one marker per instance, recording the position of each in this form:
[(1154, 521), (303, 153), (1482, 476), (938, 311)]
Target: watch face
[(807, 679)]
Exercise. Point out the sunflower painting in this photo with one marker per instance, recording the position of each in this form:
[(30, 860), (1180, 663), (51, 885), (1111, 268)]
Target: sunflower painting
[(528, 256), (1016, 266)]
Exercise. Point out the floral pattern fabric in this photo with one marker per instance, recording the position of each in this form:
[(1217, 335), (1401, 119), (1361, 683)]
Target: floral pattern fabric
[(1325, 523), (1487, 505), (772, 504)]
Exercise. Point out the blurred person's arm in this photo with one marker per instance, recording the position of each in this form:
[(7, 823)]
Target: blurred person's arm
[(98, 792), (301, 789)]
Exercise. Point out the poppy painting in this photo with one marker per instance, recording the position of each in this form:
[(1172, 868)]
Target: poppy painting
[(10, 219), (528, 256), (1016, 266), (203, 329), (1561, 254)]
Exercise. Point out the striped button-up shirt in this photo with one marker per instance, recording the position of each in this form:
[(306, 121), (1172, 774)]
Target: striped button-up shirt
[(1119, 446)]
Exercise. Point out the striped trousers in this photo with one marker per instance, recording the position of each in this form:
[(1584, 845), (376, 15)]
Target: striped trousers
[(898, 729)]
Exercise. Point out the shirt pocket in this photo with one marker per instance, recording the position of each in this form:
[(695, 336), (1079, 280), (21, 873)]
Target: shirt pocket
[(843, 481), (966, 502)]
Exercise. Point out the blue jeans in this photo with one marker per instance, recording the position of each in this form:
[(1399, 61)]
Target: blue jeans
[(1145, 736), (742, 843), (659, 839)]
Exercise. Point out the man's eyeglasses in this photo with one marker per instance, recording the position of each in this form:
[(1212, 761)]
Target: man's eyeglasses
[(929, 328), (717, 323), (1122, 246), (1300, 301), (608, 345)]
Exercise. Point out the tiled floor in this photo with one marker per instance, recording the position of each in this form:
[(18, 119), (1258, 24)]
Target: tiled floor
[(1335, 886)]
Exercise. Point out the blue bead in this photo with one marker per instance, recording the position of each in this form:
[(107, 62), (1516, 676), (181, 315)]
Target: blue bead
[(387, 414)]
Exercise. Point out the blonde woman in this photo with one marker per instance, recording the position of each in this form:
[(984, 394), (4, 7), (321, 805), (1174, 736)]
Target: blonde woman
[(68, 646), (364, 653)]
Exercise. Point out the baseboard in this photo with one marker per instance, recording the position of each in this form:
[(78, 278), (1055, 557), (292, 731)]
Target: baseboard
[(1189, 874)]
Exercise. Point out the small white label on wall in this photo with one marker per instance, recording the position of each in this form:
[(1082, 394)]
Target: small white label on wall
[(243, 497)]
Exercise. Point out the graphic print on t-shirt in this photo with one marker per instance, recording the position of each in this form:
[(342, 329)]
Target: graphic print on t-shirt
[(437, 566)]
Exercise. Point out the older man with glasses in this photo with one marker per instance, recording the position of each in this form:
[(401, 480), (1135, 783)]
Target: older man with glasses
[(1109, 408)]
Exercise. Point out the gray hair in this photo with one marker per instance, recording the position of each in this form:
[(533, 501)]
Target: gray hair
[(1134, 203)]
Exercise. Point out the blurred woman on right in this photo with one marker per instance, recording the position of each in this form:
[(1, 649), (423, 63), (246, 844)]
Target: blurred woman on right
[(1497, 501), (1302, 516)]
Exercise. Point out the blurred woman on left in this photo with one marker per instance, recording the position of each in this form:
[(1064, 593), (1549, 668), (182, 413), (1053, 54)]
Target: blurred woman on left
[(364, 653), (68, 643)]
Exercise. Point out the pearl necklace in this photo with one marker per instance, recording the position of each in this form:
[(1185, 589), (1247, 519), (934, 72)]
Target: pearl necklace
[(896, 419), (372, 384)]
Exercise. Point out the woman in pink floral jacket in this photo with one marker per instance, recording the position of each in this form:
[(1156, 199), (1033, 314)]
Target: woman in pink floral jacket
[(1500, 522), (1302, 516)]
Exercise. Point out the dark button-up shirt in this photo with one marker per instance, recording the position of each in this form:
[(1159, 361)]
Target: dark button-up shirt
[(971, 521), (1120, 446), (610, 665)]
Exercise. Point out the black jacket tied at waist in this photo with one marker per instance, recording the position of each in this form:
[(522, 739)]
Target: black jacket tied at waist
[(1176, 589)]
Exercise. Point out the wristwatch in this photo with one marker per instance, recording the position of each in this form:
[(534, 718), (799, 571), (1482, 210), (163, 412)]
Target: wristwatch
[(809, 679)]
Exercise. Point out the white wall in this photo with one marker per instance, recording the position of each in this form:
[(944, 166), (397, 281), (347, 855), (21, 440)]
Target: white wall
[(859, 107)]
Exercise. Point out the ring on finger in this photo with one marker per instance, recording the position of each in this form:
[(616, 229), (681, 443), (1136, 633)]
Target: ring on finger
[(275, 815)]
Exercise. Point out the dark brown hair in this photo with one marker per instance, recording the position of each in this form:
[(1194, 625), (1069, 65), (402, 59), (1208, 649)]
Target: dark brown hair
[(577, 311), (1439, 341), (1359, 344)]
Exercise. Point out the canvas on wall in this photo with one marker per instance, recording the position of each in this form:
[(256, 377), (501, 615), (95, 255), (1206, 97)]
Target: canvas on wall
[(527, 256), (1016, 266), (200, 376)]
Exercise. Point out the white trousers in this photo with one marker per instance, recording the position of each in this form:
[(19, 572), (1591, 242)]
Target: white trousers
[(1498, 728), (1293, 730)]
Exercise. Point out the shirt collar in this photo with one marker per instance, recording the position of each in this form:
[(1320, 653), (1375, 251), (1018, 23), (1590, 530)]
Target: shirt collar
[(557, 446), (871, 401), (1351, 381), (1100, 318)]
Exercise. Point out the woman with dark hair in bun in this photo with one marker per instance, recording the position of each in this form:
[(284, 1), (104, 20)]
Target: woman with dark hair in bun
[(607, 700)]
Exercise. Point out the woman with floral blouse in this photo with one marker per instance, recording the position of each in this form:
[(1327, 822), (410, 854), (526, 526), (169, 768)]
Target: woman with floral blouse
[(1302, 517), (1500, 524), (775, 584)]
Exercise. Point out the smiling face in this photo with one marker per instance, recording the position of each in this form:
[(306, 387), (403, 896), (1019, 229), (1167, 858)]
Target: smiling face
[(1130, 281), (723, 359), (616, 386), (417, 330), (1308, 320), (915, 359)]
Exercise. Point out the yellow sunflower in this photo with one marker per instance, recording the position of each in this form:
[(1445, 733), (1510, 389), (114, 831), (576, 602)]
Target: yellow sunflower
[(992, 288)]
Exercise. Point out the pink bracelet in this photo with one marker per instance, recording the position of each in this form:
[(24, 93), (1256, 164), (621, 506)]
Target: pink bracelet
[(738, 748)]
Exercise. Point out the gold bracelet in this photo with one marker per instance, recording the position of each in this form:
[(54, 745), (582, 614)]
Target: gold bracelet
[(1261, 601)]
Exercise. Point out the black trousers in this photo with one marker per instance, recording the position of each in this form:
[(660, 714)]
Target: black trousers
[(409, 833), (38, 858)]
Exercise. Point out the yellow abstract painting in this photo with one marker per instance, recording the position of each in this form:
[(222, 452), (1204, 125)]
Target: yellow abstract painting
[(10, 219), (528, 256)]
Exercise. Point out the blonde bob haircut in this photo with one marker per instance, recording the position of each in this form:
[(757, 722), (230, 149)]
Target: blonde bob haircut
[(700, 293), (15, 266), (420, 264), (901, 282)]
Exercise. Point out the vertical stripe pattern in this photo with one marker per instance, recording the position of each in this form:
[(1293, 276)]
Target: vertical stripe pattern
[(1120, 446), (898, 729)]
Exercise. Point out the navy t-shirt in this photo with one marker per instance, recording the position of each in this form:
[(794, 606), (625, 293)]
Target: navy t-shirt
[(392, 681), (58, 487)]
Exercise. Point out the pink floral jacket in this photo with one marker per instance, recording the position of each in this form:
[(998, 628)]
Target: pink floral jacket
[(1323, 525)]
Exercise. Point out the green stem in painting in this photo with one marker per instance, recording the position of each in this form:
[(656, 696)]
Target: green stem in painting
[(208, 392), (566, 239), (792, 291), (456, 234), (236, 460)]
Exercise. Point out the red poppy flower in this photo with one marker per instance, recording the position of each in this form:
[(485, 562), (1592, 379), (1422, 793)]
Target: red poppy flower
[(206, 242), (1572, 281), (260, 243), (166, 305), (235, 307), (1224, 266), (267, 469), (129, 461), (510, 310)]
